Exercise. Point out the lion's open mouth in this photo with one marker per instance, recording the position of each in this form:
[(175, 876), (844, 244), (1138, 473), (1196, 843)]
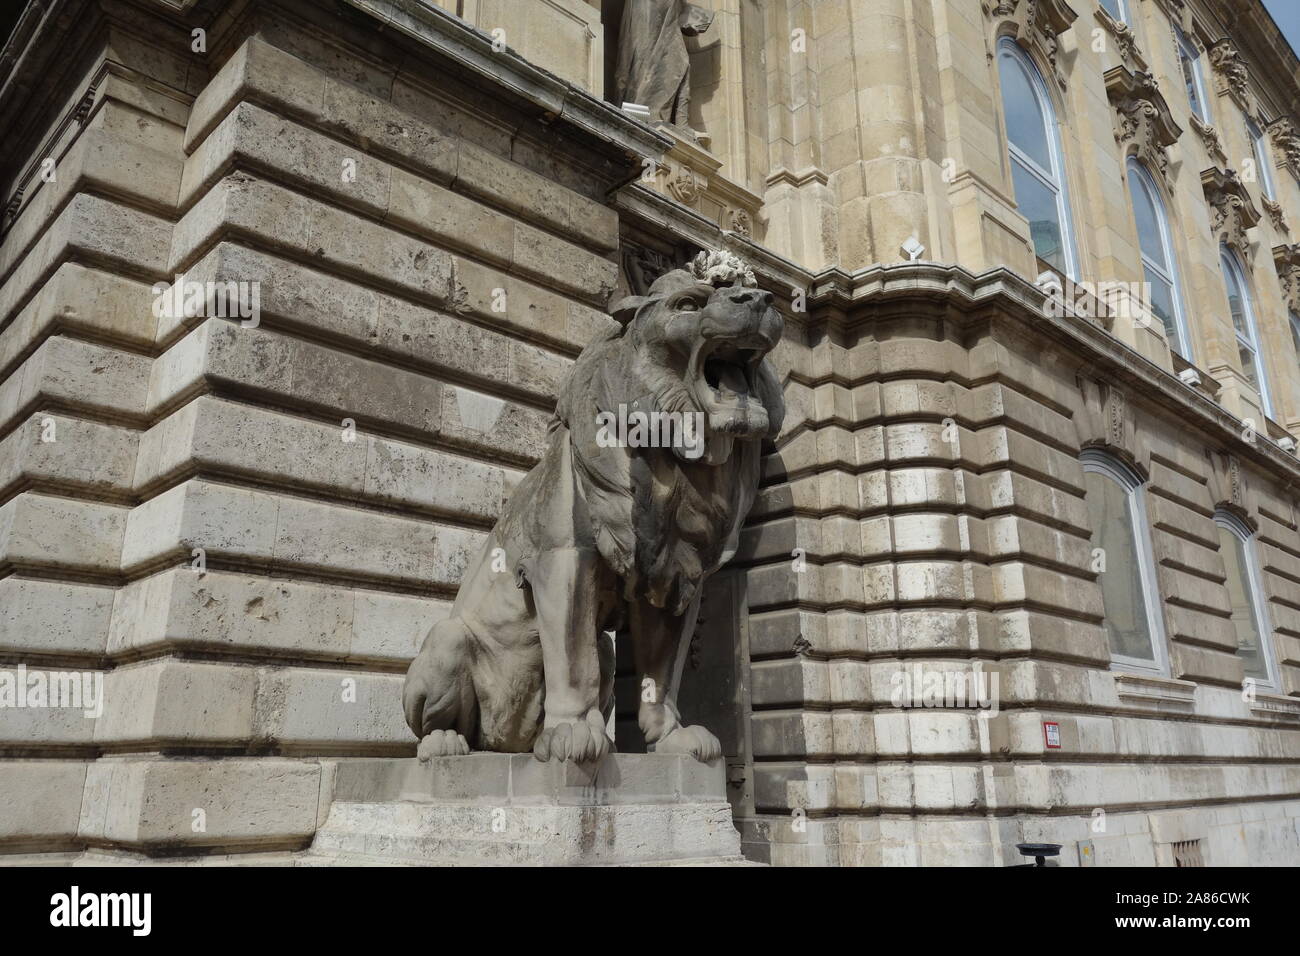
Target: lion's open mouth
[(723, 379), (728, 372)]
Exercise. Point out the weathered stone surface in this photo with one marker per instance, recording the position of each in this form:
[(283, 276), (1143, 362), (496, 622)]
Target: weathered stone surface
[(495, 809)]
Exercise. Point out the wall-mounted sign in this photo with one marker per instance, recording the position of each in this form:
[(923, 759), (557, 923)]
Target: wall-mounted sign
[(1052, 734)]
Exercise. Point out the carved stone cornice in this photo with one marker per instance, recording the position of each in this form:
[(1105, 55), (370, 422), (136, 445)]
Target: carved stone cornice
[(1035, 24), (1232, 211), (1125, 40), (1286, 144), (1143, 124), (1275, 214), (1232, 73), (1286, 258), (1210, 137), (692, 176)]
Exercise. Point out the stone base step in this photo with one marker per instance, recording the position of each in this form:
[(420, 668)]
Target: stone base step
[(510, 809)]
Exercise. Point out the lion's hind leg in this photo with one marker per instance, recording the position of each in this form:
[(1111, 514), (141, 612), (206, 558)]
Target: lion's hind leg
[(438, 696)]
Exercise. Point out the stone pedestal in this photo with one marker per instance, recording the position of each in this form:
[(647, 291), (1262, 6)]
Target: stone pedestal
[(504, 809)]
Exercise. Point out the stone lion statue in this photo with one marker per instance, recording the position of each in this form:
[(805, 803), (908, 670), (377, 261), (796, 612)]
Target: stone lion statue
[(611, 531)]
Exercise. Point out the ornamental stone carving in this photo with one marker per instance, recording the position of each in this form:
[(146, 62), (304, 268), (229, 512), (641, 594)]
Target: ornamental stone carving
[(613, 529), (684, 186), (1036, 24), (1232, 211), (1210, 137), (1144, 126), (1286, 144), (1275, 214), (1286, 258), (1233, 74)]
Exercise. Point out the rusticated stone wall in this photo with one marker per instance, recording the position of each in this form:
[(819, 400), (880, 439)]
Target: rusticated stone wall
[(930, 476), (248, 526)]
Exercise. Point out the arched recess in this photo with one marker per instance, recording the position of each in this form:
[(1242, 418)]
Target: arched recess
[(1125, 564), (1247, 599)]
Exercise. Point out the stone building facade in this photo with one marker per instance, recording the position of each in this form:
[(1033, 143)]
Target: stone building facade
[(287, 287)]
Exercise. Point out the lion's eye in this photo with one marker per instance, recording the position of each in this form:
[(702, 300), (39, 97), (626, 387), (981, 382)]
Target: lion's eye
[(688, 305)]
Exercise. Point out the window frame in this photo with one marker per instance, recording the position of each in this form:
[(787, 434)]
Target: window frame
[(1231, 266), (1187, 51), (1169, 273), (1104, 463), (1259, 146), (1054, 180), (1255, 580), (1121, 16)]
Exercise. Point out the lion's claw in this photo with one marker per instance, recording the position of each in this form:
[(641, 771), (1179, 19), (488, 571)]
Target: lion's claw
[(693, 740), (442, 743), (582, 741)]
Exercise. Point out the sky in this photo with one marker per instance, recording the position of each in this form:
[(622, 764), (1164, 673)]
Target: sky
[(1286, 13)]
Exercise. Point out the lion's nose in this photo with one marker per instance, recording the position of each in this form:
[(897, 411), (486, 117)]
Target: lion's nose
[(751, 296)]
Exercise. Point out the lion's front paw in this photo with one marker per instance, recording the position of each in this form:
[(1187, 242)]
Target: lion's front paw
[(693, 740), (442, 743), (582, 741)]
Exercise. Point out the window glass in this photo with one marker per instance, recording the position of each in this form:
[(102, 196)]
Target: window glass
[(1026, 124), (1189, 60), (1038, 204), (1261, 158), (1158, 267), (1034, 150), (1128, 624), (1115, 8), (1245, 616), (1162, 304), (1243, 322), (1295, 334)]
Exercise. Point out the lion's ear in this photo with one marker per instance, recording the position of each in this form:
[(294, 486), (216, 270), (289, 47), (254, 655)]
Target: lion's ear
[(625, 310)]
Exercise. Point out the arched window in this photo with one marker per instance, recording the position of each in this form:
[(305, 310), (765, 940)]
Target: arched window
[(1126, 570), (1189, 61), (1037, 169), (1159, 270), (1260, 147), (1243, 323), (1245, 593)]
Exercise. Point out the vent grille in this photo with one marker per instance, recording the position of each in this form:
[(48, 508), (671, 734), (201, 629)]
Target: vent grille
[(1188, 853)]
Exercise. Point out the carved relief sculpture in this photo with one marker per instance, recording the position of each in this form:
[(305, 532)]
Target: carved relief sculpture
[(1233, 213), (1143, 123), (1286, 258), (606, 534)]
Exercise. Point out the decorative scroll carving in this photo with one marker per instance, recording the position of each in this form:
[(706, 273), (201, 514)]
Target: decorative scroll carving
[(1233, 212), (1036, 24), (684, 187), (693, 177), (1210, 137), (1286, 144), (742, 223), (1143, 124), (1233, 74), (1286, 258), (1116, 407), (1275, 214), (1125, 40)]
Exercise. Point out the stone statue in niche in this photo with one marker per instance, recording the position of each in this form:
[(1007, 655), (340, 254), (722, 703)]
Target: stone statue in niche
[(616, 528), (653, 65)]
